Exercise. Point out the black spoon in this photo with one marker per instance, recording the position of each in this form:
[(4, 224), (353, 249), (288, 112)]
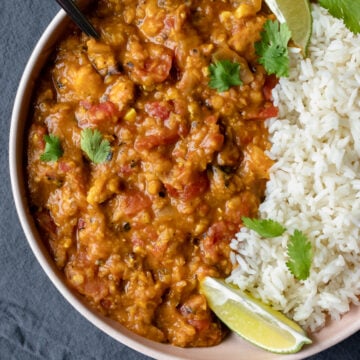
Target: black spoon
[(78, 17)]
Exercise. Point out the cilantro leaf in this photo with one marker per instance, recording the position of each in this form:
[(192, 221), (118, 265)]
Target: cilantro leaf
[(96, 148), (300, 255), (53, 150), (266, 228), (224, 74), (272, 48), (347, 10)]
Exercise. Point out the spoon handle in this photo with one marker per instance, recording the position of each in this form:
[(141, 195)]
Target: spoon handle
[(78, 17)]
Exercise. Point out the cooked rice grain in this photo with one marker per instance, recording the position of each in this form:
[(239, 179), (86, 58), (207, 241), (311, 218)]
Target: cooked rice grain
[(315, 183)]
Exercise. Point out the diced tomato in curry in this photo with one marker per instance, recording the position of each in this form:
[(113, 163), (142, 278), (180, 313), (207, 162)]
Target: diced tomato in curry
[(135, 234)]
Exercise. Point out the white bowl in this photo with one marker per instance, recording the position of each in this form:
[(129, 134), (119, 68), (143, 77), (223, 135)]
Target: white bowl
[(233, 348)]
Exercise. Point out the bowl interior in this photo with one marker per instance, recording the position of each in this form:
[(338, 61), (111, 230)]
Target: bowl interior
[(232, 348)]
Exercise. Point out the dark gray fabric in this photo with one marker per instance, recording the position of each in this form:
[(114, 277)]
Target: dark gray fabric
[(35, 321)]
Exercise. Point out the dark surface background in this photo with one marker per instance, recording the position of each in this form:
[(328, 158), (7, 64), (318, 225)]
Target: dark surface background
[(35, 321)]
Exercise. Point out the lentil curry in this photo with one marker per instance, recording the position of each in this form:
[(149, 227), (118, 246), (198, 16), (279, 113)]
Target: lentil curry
[(134, 233)]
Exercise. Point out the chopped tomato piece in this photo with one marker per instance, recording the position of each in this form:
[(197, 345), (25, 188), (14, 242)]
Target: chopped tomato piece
[(164, 137), (169, 23), (154, 66), (134, 201), (160, 110), (190, 190), (106, 304), (97, 114), (201, 324), (37, 136), (268, 111), (195, 311), (270, 82), (215, 244), (65, 166), (95, 288), (126, 170)]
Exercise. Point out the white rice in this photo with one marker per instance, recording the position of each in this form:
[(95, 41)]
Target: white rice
[(315, 183)]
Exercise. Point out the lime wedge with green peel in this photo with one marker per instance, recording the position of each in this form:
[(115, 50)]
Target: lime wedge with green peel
[(251, 319), (297, 15)]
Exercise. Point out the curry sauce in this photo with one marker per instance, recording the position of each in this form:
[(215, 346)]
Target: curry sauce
[(135, 233)]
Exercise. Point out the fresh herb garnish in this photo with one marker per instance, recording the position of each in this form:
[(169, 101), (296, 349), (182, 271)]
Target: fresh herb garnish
[(299, 247), (53, 150), (96, 148), (347, 10), (266, 228), (273, 48), (300, 254), (224, 74)]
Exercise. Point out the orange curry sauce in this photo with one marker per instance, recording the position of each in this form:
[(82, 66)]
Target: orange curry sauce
[(135, 233)]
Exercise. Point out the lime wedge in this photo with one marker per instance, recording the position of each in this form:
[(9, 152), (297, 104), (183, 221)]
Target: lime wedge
[(297, 15), (251, 319)]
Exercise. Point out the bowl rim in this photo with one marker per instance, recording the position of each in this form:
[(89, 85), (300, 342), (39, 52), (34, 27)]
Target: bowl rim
[(109, 327)]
